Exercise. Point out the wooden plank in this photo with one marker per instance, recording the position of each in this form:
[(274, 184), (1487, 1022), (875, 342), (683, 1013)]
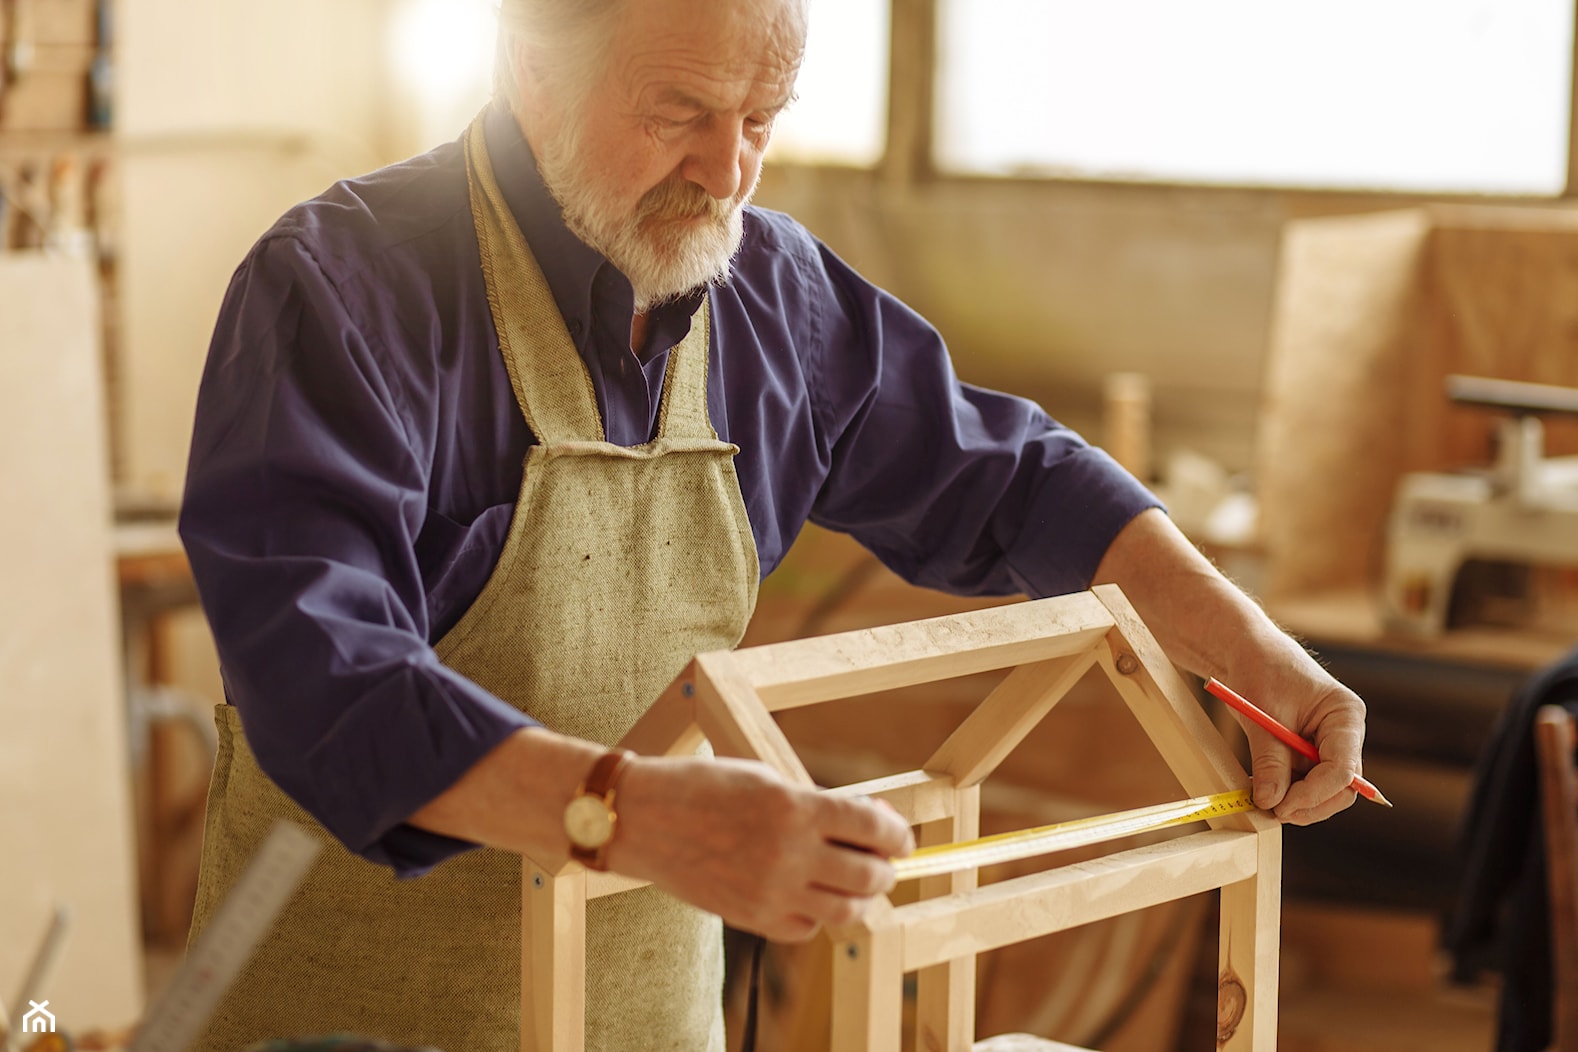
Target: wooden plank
[(1328, 447), (1554, 743), (868, 992), (918, 796), (66, 834), (599, 885), (1028, 907), (1010, 712), (669, 727), (945, 993), (1167, 711), (1248, 951), (553, 960), (808, 671), (735, 722)]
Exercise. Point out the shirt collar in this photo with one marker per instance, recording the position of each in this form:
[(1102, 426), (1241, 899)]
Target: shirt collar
[(582, 280)]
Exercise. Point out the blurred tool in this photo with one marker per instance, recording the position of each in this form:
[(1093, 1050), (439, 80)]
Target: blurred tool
[(101, 72), (227, 942), (1522, 512), (40, 969)]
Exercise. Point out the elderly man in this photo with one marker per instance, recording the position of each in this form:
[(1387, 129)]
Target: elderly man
[(491, 442)]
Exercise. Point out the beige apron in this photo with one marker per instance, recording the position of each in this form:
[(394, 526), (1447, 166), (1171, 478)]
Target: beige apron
[(621, 564)]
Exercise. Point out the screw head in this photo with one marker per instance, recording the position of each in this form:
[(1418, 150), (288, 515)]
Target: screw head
[(537, 881), (689, 690), (852, 951)]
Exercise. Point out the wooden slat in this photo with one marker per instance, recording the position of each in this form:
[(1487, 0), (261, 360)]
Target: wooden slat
[(669, 727), (945, 993), (918, 796), (1168, 712), (1041, 903), (599, 885), (736, 723), (868, 992), (1553, 739), (553, 960), (808, 671), (1248, 952), (997, 726)]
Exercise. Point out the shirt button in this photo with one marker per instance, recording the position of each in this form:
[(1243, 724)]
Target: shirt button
[(575, 329)]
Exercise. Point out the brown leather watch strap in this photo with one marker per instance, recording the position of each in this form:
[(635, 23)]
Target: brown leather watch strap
[(602, 782), (606, 771)]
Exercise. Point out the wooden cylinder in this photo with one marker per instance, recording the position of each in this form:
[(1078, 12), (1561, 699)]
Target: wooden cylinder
[(1126, 421)]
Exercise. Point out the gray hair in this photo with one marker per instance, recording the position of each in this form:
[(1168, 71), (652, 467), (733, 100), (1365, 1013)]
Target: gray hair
[(565, 39)]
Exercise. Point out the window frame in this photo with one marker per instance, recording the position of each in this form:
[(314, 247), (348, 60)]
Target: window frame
[(909, 157)]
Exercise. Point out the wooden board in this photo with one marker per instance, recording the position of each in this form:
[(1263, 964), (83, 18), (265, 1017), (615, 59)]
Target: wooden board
[(1327, 458), (65, 826), (1371, 314)]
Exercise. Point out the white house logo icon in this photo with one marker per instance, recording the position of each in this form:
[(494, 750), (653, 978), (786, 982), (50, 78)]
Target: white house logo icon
[(40, 1020)]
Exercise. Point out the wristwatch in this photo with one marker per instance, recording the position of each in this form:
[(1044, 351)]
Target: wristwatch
[(589, 817)]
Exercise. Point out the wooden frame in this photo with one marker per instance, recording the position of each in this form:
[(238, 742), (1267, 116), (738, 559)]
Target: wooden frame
[(1050, 644), (1554, 742)]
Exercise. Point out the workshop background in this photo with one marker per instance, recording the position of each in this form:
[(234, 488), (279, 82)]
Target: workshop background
[(1241, 244)]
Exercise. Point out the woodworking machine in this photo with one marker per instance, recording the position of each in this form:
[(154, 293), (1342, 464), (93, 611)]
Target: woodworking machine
[(1519, 514)]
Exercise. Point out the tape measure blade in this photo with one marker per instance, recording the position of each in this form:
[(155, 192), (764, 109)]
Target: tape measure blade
[(1011, 847), (228, 940)]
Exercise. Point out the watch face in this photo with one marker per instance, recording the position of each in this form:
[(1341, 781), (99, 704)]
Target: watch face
[(588, 822)]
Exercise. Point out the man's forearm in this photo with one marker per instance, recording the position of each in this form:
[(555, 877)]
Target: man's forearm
[(1210, 627), (1204, 622), (514, 797)]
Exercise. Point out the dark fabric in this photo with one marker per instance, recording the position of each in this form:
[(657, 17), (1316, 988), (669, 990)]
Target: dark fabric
[(1501, 917), (358, 450)]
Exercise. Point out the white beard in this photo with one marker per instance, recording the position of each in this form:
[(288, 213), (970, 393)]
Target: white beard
[(676, 238)]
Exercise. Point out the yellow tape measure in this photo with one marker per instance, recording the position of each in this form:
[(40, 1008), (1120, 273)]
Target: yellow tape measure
[(1098, 829)]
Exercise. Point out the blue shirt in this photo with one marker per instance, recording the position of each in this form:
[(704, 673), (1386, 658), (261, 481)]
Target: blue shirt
[(358, 451)]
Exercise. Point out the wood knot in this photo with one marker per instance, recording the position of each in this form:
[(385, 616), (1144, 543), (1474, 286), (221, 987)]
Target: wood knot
[(1128, 664), (1232, 1001)]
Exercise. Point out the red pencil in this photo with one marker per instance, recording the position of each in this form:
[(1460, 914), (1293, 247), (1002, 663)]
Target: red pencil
[(1293, 741)]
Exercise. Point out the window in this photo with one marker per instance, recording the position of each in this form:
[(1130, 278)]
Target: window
[(1430, 95), (841, 114)]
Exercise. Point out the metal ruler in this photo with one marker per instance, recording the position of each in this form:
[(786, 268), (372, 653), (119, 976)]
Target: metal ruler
[(236, 928), (38, 972), (1028, 843)]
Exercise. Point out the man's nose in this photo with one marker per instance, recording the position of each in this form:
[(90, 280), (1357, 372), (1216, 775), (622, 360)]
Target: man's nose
[(718, 158)]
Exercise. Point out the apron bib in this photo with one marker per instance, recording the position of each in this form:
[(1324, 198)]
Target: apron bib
[(621, 565)]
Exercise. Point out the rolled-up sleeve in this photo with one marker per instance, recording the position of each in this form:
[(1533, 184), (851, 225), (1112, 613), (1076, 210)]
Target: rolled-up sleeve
[(953, 486), (306, 489)]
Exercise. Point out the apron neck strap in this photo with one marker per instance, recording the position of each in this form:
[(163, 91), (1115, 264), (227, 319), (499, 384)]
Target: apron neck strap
[(550, 380)]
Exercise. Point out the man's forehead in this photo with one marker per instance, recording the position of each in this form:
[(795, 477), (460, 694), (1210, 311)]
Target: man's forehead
[(725, 42)]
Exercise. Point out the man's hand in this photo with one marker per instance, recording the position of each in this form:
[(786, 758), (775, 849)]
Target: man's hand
[(730, 836), (1208, 626), (1300, 694), (733, 837)]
